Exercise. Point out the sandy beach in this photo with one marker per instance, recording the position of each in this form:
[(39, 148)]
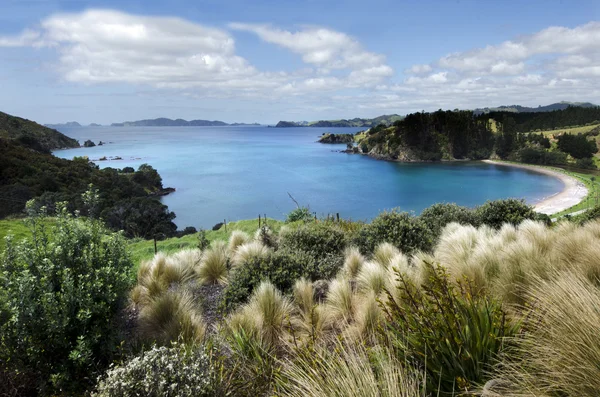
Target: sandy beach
[(573, 193)]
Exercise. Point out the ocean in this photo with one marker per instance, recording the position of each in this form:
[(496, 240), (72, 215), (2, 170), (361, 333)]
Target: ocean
[(232, 173)]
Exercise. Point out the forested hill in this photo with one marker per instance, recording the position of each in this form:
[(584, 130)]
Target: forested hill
[(526, 122), (524, 109), (356, 122), (33, 135), (125, 199), (449, 135)]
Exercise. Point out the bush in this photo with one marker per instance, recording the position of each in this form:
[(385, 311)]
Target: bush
[(63, 289), (586, 163), (318, 240), (452, 333), (162, 371), (406, 232), (299, 214), (439, 215), (496, 213), (281, 267)]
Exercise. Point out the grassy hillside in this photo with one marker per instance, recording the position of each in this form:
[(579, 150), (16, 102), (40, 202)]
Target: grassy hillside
[(33, 135), (144, 249)]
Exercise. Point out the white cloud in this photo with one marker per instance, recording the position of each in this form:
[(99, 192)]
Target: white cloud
[(419, 69), (318, 46), (106, 46)]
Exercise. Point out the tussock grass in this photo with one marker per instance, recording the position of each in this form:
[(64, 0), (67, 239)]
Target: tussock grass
[(340, 302), (312, 320), (347, 371), (236, 239), (353, 262), (159, 274), (266, 317), (171, 316), (213, 267), (368, 319), (384, 253), (560, 355), (249, 251), (372, 277)]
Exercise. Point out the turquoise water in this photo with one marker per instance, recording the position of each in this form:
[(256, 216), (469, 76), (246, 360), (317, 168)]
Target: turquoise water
[(239, 172)]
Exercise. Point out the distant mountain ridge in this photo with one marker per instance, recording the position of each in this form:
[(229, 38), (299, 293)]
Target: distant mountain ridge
[(356, 122), (33, 135), (166, 122), (524, 109)]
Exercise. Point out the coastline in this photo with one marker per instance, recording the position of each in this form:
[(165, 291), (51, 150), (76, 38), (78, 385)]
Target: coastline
[(573, 193)]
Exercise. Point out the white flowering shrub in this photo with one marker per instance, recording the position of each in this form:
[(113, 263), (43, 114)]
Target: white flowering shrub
[(175, 371), (61, 293)]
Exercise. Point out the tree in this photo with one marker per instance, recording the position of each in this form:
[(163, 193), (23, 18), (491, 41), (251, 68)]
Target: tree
[(577, 146)]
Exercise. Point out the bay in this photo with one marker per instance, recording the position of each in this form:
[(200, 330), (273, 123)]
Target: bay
[(240, 172)]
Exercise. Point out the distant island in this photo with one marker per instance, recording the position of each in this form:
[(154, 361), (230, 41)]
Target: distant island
[(356, 122), (165, 122), (60, 125), (524, 109)]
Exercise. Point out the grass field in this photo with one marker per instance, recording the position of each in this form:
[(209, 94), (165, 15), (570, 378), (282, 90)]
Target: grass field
[(16, 228), (573, 130), (144, 249)]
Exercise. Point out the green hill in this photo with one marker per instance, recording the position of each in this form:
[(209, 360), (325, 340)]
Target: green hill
[(33, 135)]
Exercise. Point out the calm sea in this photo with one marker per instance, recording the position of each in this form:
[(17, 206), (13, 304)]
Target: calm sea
[(239, 172)]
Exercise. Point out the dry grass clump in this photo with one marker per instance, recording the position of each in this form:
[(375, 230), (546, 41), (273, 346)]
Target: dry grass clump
[(341, 301), (158, 275), (249, 251), (171, 316), (368, 317), (506, 261), (372, 278), (236, 239), (213, 265), (348, 370), (312, 319), (266, 317), (353, 262), (560, 355), (384, 253)]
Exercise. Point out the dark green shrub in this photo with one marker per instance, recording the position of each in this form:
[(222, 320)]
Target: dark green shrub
[(401, 229), (587, 216), (281, 267), (452, 333), (316, 239), (496, 213), (586, 163), (439, 215), (299, 214), (62, 289), (162, 371)]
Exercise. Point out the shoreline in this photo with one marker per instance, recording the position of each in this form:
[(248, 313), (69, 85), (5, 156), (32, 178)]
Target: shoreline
[(573, 193)]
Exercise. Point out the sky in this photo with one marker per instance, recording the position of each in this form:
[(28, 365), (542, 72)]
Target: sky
[(269, 60)]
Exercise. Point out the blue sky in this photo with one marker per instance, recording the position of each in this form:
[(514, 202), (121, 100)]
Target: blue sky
[(246, 61)]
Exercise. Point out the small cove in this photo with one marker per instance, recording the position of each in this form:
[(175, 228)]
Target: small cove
[(240, 172)]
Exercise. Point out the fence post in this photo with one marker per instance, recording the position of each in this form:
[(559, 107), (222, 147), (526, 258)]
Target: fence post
[(337, 215), (259, 221), (155, 250), (225, 223)]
